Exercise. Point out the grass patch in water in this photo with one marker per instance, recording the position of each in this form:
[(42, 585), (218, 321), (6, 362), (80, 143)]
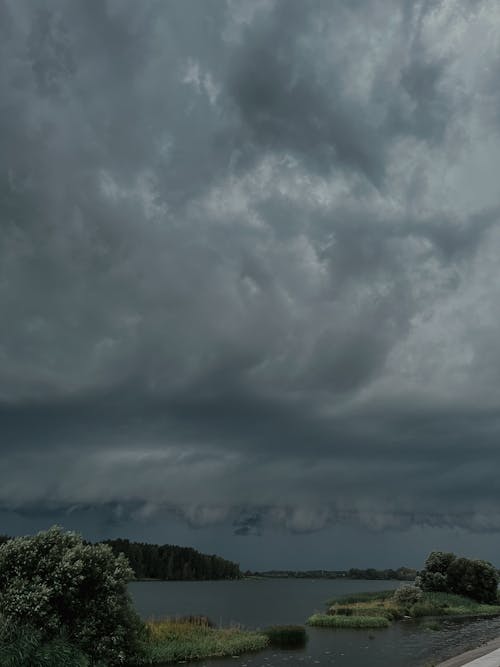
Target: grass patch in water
[(172, 640), (286, 636), (432, 604), (341, 621), (432, 626), (361, 597)]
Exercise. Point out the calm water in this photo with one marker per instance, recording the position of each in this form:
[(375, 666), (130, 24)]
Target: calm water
[(259, 603)]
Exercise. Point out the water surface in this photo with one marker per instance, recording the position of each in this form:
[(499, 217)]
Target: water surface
[(259, 603)]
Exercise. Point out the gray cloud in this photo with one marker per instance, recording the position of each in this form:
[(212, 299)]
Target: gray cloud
[(248, 265)]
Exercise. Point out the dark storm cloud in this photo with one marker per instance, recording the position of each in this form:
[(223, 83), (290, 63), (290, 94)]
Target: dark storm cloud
[(248, 263), (287, 106), (292, 82)]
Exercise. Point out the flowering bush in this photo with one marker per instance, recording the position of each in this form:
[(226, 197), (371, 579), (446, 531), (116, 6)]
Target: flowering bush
[(54, 582), (407, 596)]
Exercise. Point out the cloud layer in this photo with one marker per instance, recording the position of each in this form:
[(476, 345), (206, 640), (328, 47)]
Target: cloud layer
[(249, 261)]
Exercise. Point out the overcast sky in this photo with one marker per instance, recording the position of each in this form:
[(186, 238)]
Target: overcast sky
[(249, 275)]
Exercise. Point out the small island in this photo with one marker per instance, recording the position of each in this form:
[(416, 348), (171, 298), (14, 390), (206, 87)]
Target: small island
[(447, 586)]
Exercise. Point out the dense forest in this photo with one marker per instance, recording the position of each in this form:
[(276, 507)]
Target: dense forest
[(151, 561)]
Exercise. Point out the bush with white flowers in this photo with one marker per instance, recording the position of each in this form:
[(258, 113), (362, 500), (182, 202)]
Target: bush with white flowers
[(408, 595), (54, 582)]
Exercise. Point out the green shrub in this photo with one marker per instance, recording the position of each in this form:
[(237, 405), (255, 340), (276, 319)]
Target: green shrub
[(286, 635), (476, 579), (55, 583), (444, 572)]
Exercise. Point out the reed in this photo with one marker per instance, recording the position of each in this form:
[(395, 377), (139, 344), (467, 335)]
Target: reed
[(175, 640), (361, 622)]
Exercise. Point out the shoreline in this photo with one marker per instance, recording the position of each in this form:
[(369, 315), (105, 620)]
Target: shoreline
[(482, 651)]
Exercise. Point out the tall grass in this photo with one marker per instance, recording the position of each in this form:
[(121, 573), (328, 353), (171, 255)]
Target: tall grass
[(328, 621), (361, 597), (174, 640), (23, 646), (448, 604)]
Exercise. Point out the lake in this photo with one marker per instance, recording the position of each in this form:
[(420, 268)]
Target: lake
[(259, 603)]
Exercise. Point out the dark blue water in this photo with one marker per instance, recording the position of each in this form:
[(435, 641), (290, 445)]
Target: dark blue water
[(259, 603)]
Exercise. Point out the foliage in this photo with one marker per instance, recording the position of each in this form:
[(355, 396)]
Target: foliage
[(434, 575), (444, 572), (328, 621), (286, 635), (476, 579), (23, 645), (151, 561), (173, 641), (54, 582), (407, 596)]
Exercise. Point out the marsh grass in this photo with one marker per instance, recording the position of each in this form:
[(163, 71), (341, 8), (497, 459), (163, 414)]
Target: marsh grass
[(173, 640), (361, 597), (432, 626), (448, 604), (383, 604), (23, 646), (384, 607), (340, 621)]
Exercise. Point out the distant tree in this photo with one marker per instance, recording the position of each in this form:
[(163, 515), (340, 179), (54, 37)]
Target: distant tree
[(434, 576), (476, 579)]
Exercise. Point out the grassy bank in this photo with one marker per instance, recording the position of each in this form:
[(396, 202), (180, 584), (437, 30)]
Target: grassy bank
[(377, 610), (447, 604), (175, 640)]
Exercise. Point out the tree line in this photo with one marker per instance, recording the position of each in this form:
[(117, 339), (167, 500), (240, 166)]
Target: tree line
[(152, 561), (167, 561), (401, 574)]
